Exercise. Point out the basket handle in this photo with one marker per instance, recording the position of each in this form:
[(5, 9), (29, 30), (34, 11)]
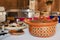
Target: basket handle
[(26, 20), (55, 19)]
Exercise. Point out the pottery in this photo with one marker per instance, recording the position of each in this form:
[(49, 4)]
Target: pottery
[(42, 29)]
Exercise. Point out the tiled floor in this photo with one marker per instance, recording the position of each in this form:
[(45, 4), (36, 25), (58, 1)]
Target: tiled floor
[(27, 36)]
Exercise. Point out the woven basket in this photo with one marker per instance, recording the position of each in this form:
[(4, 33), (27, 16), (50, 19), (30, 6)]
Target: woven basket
[(42, 29)]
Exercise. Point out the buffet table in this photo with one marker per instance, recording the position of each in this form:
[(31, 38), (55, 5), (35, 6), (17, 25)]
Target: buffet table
[(27, 36)]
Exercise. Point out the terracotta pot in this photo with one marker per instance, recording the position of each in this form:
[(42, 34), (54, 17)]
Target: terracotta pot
[(42, 29)]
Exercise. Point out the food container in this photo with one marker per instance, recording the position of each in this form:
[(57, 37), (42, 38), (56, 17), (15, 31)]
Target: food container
[(16, 28), (42, 29)]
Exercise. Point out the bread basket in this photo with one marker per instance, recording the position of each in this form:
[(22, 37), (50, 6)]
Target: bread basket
[(42, 29)]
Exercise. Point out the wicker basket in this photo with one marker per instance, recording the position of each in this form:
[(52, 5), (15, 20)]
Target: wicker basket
[(42, 29)]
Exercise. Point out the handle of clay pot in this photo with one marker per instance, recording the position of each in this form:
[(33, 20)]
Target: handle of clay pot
[(26, 20), (55, 19)]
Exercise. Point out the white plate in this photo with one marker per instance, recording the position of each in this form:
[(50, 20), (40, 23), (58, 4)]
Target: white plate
[(17, 28), (14, 28)]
